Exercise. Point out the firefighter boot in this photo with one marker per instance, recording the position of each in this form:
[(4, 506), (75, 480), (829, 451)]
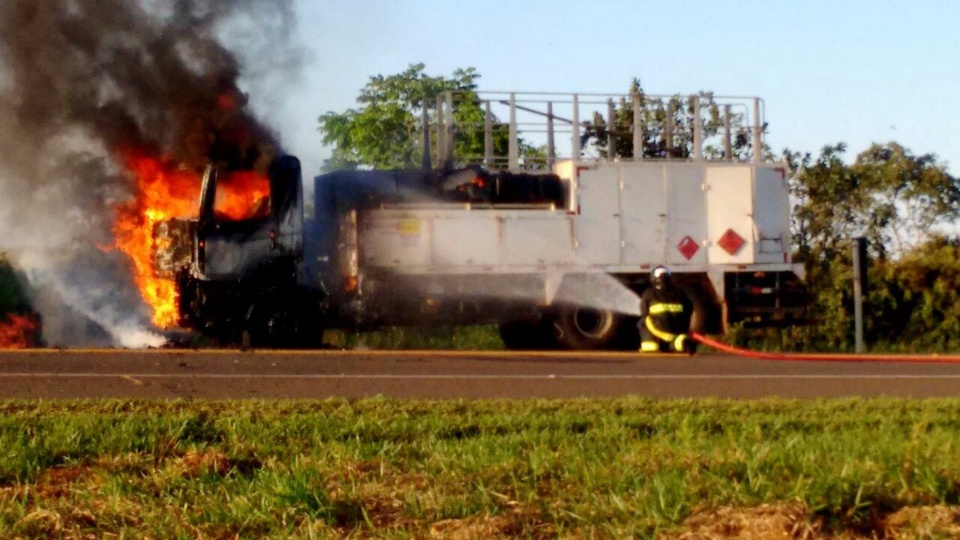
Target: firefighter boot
[(649, 346), (681, 343)]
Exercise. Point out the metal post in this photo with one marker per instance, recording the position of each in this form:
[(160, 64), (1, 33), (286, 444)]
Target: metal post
[(611, 126), (487, 135), (450, 130), (757, 132), (551, 148), (425, 121), (441, 133), (727, 136), (668, 130), (637, 129), (697, 130), (859, 287), (514, 148), (575, 124)]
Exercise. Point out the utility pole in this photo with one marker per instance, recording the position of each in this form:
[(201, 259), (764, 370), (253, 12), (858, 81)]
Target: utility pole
[(859, 287)]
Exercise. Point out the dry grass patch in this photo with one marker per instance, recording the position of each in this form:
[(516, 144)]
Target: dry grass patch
[(758, 523), (517, 523), (923, 522), (796, 522), (196, 463), (58, 482)]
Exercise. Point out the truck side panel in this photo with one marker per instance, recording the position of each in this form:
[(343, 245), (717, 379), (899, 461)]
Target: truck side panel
[(643, 214), (598, 223), (729, 211), (471, 238), (687, 229), (540, 240), (771, 214)]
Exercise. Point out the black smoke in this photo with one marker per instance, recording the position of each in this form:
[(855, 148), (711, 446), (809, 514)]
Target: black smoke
[(81, 82)]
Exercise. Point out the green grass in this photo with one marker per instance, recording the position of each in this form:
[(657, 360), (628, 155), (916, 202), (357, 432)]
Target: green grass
[(401, 469), (485, 337)]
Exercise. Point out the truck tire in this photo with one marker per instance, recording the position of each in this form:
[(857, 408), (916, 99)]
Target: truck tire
[(582, 328), (527, 334), (706, 318), (278, 323)]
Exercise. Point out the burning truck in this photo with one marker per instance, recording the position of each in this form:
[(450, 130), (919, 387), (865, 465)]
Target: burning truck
[(551, 252)]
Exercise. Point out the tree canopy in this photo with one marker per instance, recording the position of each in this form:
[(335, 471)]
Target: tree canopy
[(906, 205), (386, 130)]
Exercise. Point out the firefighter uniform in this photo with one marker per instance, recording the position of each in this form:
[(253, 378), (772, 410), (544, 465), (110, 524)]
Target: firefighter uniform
[(665, 313)]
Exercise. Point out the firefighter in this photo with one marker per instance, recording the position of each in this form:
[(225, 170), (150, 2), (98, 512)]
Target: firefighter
[(665, 313)]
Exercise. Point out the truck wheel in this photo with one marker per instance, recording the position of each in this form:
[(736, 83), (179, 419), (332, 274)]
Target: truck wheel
[(584, 328), (527, 334), (278, 324), (706, 314)]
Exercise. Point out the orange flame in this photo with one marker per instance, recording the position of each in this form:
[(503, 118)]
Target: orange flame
[(18, 332), (242, 195), (162, 193)]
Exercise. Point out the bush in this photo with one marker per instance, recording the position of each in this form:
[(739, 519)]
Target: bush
[(13, 296)]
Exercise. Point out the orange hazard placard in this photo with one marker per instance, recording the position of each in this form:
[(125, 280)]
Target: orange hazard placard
[(688, 247)]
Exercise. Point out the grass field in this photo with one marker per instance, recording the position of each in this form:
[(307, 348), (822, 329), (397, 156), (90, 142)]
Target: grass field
[(540, 469)]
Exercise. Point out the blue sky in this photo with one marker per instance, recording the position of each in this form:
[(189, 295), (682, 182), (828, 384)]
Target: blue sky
[(854, 71)]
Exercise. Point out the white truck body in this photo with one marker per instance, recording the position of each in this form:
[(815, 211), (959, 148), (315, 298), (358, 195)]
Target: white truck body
[(624, 218)]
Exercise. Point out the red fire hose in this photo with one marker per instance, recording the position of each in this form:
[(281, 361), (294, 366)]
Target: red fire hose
[(827, 357)]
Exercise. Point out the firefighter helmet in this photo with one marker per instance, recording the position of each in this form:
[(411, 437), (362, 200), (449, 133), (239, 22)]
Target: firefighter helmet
[(660, 276)]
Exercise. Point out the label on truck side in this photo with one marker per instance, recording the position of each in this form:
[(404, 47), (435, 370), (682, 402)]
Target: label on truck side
[(409, 227), (409, 230)]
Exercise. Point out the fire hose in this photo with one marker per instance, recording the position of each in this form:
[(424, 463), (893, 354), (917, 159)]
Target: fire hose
[(826, 357)]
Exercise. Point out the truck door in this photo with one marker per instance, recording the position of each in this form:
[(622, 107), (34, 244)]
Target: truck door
[(771, 214), (248, 219), (598, 222), (643, 213), (730, 214), (687, 225)]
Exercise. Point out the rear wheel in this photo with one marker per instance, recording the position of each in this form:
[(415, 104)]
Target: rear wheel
[(584, 328), (707, 315)]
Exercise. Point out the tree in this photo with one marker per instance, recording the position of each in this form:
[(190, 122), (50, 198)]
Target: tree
[(912, 195), (897, 201), (916, 301), (386, 130)]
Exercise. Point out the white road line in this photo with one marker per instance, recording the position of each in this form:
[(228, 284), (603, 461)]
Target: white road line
[(371, 376)]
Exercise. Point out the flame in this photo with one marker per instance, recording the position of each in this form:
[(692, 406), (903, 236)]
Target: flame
[(18, 332), (163, 192), (242, 195)]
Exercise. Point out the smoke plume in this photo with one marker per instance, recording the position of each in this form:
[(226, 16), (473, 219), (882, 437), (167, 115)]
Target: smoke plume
[(84, 81)]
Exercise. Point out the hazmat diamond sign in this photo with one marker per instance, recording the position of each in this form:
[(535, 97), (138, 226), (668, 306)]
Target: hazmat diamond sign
[(731, 242), (688, 247)]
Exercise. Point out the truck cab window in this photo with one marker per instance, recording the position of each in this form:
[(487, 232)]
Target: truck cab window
[(242, 196)]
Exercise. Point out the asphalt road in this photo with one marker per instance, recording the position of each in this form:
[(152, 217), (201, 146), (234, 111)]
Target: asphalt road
[(52, 374)]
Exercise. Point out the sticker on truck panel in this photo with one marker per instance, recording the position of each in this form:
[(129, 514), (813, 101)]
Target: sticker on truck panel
[(409, 230), (409, 227)]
